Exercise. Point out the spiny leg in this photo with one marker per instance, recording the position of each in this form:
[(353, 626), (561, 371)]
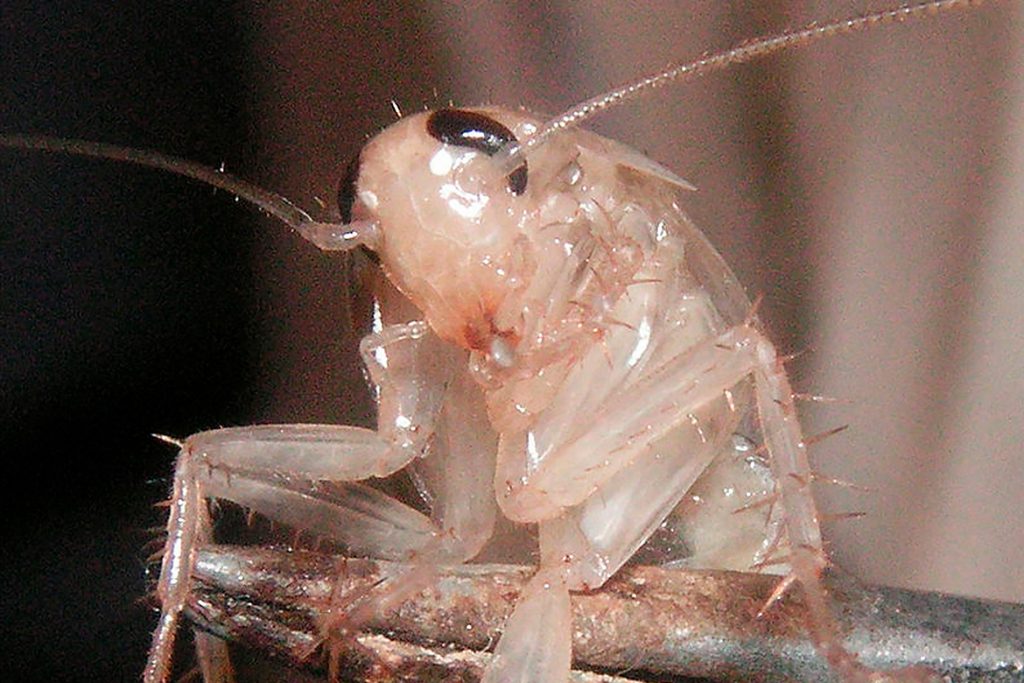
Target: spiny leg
[(706, 371), (188, 527), (455, 476), (366, 520), (275, 470), (791, 465)]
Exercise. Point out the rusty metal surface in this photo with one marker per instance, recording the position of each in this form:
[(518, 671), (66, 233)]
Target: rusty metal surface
[(646, 624)]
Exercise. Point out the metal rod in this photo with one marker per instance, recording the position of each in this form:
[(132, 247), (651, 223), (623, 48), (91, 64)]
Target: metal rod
[(647, 623)]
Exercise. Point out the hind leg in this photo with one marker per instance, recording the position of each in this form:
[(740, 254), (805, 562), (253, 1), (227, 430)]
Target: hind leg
[(591, 539)]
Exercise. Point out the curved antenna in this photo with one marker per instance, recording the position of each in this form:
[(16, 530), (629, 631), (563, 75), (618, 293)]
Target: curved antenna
[(515, 154), (326, 236)]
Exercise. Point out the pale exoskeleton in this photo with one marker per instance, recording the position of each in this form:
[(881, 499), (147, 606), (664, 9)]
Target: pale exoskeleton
[(615, 352)]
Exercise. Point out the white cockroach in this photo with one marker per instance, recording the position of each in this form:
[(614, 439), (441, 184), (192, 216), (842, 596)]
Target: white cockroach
[(546, 313)]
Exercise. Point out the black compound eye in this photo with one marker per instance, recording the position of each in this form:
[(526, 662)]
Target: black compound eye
[(347, 198), (347, 189), (476, 131)]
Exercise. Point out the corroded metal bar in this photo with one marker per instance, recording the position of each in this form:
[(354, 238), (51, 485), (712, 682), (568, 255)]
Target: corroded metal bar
[(646, 623)]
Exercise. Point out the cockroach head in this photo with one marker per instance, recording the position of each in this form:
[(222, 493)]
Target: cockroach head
[(448, 216)]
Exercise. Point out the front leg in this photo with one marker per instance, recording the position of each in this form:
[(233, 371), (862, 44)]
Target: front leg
[(281, 471)]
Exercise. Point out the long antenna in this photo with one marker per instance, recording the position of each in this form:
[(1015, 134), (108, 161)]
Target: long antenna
[(327, 236), (514, 155)]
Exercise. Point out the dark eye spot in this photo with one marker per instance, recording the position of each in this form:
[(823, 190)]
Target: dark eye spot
[(347, 189), (476, 131), (347, 198)]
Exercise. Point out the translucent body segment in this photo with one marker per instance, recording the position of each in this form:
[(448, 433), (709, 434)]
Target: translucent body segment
[(454, 479), (728, 518), (459, 468), (604, 372), (368, 522), (742, 351), (783, 437), (536, 644), (660, 400), (653, 321), (410, 367), (595, 538), (314, 452), (295, 474), (426, 378), (789, 461)]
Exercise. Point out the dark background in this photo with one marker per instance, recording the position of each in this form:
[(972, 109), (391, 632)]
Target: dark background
[(124, 296)]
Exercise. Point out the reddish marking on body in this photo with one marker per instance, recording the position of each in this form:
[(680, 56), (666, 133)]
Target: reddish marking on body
[(479, 334)]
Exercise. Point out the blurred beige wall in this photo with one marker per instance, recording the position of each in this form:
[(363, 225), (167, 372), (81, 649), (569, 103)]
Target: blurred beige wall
[(869, 187)]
